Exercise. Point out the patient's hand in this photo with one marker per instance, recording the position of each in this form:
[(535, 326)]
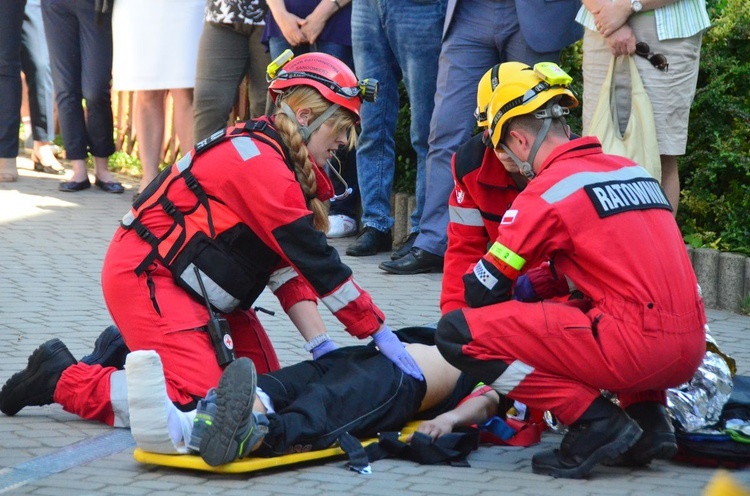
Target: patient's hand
[(439, 426)]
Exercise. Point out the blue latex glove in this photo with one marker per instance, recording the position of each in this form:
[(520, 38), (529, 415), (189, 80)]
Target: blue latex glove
[(524, 290), (323, 348), (391, 347)]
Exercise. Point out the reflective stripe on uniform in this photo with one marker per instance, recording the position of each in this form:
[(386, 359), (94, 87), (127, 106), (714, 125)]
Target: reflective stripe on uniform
[(245, 147), (218, 296), (118, 398), (512, 377), (127, 219), (184, 162), (281, 277), (574, 183), (465, 216), (347, 293)]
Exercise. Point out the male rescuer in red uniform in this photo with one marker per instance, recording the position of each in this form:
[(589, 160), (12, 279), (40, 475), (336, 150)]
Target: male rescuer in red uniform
[(483, 190), (607, 227), (243, 210)]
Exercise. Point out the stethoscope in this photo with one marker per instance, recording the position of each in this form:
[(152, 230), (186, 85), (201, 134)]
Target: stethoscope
[(331, 168)]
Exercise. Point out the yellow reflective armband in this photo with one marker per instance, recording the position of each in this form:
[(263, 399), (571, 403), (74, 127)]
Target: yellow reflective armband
[(502, 253)]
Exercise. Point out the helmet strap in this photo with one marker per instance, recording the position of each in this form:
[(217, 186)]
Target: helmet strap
[(526, 167), (306, 131)]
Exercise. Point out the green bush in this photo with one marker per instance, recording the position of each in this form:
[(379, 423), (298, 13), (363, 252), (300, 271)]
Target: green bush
[(715, 171)]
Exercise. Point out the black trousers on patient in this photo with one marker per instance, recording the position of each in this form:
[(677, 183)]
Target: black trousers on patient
[(355, 390)]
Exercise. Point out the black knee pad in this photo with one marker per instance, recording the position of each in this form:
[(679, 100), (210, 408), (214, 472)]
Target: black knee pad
[(452, 334)]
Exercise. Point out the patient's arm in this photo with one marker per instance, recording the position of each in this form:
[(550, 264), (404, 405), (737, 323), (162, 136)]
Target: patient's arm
[(475, 410)]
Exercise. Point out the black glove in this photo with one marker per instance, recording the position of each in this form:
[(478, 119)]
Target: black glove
[(486, 285)]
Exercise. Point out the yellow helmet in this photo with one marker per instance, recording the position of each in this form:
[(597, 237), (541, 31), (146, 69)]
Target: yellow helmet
[(524, 90), (487, 85)]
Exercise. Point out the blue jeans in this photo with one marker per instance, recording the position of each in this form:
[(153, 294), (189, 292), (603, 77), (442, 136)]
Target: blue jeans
[(394, 39), (81, 54), (349, 205), (482, 34)]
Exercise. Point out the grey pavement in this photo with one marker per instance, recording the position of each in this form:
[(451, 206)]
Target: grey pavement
[(51, 250)]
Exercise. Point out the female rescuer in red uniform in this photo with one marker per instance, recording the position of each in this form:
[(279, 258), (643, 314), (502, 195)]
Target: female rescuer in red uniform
[(243, 210)]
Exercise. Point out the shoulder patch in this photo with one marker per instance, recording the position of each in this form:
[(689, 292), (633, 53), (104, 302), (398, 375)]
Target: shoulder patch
[(509, 217), (614, 197)]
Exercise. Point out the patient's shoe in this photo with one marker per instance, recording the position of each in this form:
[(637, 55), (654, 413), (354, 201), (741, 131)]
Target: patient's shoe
[(235, 431), (204, 417), (109, 350), (155, 423), (35, 385)]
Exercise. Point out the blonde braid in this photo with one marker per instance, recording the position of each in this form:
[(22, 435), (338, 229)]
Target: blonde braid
[(303, 169)]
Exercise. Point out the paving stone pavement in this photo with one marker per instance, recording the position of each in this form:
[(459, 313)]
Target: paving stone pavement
[(51, 249)]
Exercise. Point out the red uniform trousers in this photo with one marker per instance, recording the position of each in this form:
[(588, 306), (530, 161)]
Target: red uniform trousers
[(547, 356), (173, 331)]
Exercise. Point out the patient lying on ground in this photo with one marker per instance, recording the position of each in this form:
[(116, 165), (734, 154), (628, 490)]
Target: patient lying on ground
[(309, 405)]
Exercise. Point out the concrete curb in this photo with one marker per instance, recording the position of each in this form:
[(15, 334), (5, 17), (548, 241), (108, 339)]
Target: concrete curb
[(724, 277)]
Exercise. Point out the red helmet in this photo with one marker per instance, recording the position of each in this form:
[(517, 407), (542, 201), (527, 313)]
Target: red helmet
[(327, 74)]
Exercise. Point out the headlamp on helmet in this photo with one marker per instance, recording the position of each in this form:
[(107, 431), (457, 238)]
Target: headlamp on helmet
[(331, 77), (273, 68)]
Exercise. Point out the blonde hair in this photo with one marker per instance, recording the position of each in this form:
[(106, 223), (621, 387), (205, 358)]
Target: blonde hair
[(308, 97)]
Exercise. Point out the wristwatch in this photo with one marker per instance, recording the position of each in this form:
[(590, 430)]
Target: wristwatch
[(319, 339), (636, 6)]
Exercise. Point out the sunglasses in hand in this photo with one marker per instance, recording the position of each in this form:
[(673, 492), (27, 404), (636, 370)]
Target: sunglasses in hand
[(658, 60)]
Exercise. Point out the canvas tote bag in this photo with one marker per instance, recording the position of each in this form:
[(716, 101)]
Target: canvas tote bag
[(639, 141)]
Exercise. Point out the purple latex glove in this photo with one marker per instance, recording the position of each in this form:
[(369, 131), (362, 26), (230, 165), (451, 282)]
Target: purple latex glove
[(524, 290), (323, 348), (391, 347)]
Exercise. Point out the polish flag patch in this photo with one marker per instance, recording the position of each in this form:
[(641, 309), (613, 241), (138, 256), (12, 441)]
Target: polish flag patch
[(509, 217)]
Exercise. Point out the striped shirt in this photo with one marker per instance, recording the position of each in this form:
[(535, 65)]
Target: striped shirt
[(681, 19)]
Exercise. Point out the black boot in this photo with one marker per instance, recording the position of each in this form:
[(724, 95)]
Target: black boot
[(370, 241), (109, 350), (658, 440), (603, 432), (35, 385)]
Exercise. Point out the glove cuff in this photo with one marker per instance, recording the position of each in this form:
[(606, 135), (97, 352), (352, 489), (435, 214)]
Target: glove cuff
[(382, 332)]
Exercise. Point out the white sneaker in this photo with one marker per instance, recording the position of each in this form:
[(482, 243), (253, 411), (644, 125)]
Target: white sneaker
[(341, 226)]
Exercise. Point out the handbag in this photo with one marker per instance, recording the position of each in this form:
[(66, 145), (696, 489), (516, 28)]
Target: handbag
[(639, 141)]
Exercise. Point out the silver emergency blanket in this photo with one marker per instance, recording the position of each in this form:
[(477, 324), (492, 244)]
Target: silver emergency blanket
[(699, 402), (695, 405)]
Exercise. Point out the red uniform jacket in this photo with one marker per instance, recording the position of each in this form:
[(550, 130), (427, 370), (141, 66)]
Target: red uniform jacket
[(608, 226), (483, 191), (254, 181)]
